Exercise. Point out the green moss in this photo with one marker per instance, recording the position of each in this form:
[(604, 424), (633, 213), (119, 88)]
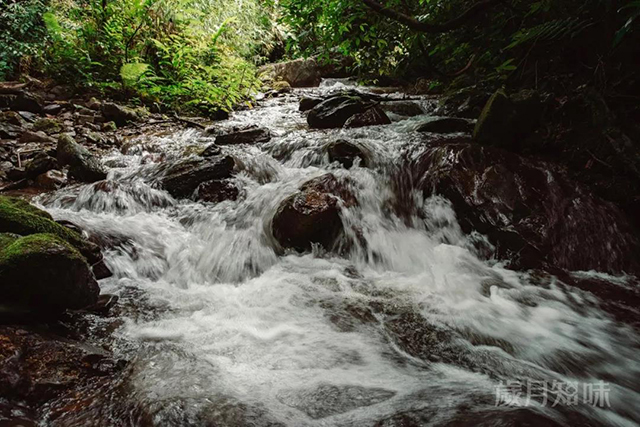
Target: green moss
[(35, 245), (6, 239), (17, 216), (21, 204)]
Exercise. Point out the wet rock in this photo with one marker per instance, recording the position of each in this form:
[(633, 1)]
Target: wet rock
[(30, 136), (19, 217), (532, 212), (16, 173), (335, 111), (211, 150), (62, 279), (371, 117), (119, 114), (51, 180), (83, 165), (312, 215), (38, 365), (253, 135), (184, 177), (308, 102), (402, 108), (345, 153), (6, 101), (29, 102), (40, 164), (446, 125), (217, 191), (28, 116), (52, 109)]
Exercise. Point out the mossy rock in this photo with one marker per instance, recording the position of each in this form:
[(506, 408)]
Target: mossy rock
[(48, 126), (44, 271), (19, 217), (7, 238)]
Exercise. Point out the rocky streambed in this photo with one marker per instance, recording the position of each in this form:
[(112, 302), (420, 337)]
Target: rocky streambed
[(336, 256)]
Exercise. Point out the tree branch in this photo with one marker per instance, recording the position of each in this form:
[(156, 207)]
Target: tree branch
[(427, 27)]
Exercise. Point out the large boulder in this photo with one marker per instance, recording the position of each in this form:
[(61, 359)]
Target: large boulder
[(30, 102), (19, 217), (298, 73), (446, 125), (371, 117), (532, 212), (312, 215), (44, 271), (183, 178), (119, 114), (83, 165), (336, 110)]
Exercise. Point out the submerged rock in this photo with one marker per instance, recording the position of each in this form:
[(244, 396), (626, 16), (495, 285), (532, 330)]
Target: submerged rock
[(83, 165), (345, 153), (42, 270), (446, 125), (530, 211), (183, 178), (371, 117), (402, 108), (312, 215), (216, 191)]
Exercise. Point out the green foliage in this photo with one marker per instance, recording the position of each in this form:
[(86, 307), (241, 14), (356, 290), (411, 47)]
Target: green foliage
[(22, 35), (512, 38)]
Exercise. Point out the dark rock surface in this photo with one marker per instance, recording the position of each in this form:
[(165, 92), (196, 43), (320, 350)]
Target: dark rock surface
[(83, 165), (336, 110), (345, 153), (62, 279), (183, 178), (253, 135), (371, 117), (312, 215), (531, 211)]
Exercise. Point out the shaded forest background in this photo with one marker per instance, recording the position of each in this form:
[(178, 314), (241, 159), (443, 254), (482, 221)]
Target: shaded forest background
[(203, 54)]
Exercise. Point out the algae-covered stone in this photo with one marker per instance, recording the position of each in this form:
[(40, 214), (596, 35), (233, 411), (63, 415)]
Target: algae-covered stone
[(44, 271), (18, 216)]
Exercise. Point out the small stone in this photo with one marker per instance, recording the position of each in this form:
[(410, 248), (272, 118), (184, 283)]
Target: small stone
[(30, 136)]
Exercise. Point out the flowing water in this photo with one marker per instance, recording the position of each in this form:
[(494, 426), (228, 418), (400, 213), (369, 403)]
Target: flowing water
[(406, 327)]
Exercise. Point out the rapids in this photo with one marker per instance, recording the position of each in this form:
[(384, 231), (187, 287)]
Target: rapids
[(408, 326)]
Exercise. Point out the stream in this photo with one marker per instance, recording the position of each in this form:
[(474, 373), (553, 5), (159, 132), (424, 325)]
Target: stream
[(408, 326)]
